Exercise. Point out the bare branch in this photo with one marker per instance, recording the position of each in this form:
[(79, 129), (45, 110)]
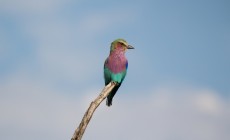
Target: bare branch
[(89, 113)]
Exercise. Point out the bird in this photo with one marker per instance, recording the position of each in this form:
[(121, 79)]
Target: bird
[(115, 66)]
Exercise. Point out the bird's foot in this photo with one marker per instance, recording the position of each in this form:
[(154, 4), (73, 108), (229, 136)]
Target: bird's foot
[(114, 83)]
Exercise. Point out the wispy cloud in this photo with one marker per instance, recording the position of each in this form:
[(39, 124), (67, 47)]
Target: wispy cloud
[(164, 114), (31, 7), (68, 47)]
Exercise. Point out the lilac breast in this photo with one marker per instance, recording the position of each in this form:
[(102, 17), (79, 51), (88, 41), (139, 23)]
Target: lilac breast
[(116, 63)]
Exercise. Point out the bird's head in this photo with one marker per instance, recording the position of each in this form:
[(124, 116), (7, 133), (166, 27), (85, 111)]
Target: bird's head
[(120, 45)]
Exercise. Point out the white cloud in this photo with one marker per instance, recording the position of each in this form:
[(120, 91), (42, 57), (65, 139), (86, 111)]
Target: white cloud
[(29, 108), (167, 114), (208, 102)]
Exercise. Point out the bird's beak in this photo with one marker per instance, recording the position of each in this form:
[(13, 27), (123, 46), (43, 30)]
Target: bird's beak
[(130, 47)]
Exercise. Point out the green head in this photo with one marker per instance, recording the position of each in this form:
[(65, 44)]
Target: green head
[(120, 44)]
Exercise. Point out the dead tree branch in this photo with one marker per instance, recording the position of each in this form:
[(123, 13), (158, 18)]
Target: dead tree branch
[(89, 113)]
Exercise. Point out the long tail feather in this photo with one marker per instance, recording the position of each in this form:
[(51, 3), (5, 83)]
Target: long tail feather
[(111, 95)]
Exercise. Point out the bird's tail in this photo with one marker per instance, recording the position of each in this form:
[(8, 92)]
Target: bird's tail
[(110, 96), (109, 101)]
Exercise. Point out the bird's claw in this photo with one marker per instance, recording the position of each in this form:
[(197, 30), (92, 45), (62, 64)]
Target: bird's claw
[(114, 83)]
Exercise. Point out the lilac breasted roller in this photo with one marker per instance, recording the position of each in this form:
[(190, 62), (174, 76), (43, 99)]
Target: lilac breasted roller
[(115, 66)]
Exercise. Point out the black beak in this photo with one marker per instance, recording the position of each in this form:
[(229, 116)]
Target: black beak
[(130, 47)]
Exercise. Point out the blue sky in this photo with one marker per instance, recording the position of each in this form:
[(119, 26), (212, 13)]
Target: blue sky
[(51, 67)]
